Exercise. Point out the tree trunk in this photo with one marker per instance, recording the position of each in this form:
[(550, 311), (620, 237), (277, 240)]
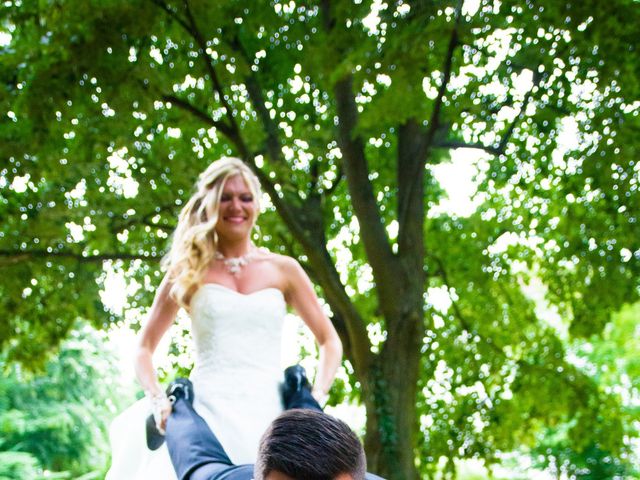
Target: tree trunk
[(392, 427)]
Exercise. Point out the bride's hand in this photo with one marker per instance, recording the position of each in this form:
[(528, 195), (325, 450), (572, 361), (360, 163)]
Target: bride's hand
[(319, 395), (161, 409)]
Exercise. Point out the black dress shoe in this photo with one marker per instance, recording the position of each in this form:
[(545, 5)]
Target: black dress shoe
[(179, 388), (155, 439), (295, 380)]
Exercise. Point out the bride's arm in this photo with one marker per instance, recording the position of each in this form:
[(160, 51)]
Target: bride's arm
[(161, 316), (301, 296)]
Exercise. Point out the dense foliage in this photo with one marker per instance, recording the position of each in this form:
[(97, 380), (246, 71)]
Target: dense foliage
[(56, 421), (346, 109), (612, 362)]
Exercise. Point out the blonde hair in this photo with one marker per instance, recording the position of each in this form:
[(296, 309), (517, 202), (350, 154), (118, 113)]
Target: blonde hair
[(195, 240)]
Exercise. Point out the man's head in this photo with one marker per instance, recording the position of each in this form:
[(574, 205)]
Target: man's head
[(309, 445)]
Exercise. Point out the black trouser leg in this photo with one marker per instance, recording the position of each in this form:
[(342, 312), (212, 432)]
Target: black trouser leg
[(303, 399), (192, 444)]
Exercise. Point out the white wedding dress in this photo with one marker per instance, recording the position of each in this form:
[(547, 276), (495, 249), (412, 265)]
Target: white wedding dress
[(236, 380)]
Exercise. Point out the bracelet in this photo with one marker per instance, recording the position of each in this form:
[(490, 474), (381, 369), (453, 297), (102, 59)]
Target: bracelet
[(155, 398), (157, 401)]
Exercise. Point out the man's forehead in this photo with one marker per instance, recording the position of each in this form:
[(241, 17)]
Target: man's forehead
[(275, 475)]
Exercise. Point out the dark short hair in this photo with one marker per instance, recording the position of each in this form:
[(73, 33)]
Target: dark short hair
[(310, 445)]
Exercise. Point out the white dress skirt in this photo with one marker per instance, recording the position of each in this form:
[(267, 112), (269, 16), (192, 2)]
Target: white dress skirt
[(236, 381)]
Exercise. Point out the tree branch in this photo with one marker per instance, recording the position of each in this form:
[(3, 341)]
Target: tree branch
[(454, 145), (446, 77), (372, 231), (337, 319), (231, 130), (202, 115), (504, 139), (336, 182), (12, 257), (413, 147), (172, 14), (146, 220), (257, 100), (507, 135), (202, 46), (411, 154)]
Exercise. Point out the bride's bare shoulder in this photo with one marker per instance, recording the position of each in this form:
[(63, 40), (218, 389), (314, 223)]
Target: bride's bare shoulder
[(281, 261)]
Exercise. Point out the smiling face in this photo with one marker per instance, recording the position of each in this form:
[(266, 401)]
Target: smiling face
[(238, 210)]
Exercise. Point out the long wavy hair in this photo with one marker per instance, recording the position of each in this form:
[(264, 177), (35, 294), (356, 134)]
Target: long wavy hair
[(195, 240)]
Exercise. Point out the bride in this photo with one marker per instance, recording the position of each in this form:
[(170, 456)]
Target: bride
[(236, 295)]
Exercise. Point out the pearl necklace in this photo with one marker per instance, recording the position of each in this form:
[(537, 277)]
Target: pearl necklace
[(234, 265)]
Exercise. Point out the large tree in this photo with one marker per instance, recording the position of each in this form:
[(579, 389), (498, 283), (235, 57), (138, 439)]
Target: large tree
[(343, 108)]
